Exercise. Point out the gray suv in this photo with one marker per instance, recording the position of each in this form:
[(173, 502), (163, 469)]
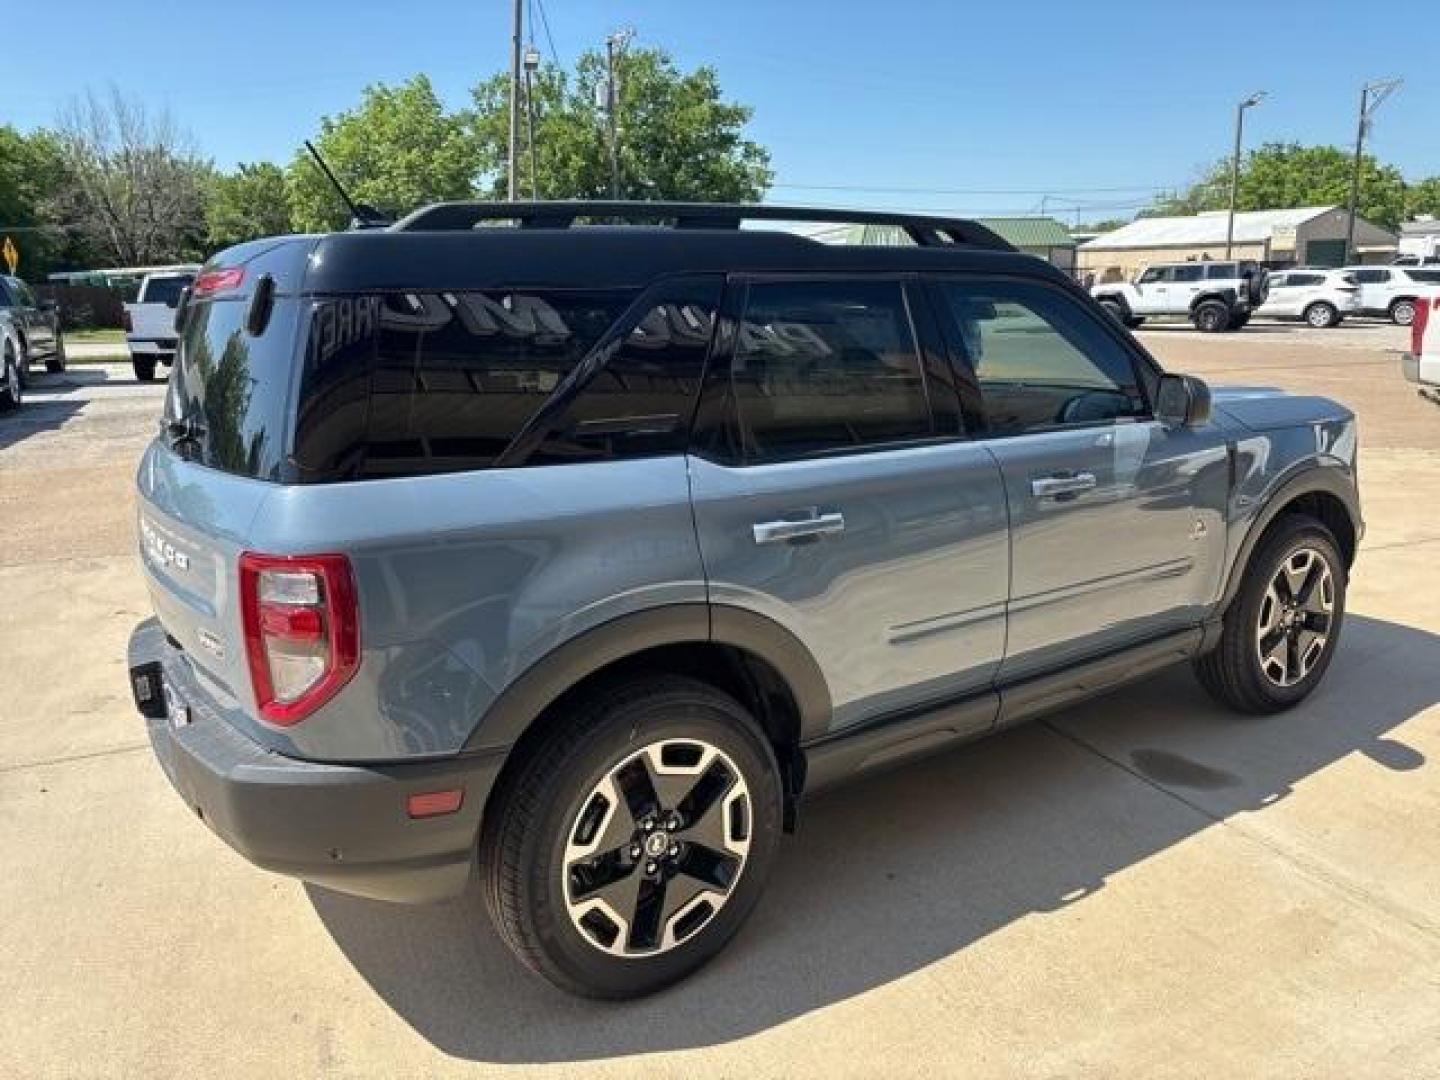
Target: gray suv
[(571, 555)]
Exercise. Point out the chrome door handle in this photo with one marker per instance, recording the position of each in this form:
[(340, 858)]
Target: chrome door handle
[(775, 532), (1047, 487)]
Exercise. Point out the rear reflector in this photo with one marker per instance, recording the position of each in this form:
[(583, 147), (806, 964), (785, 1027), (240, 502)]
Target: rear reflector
[(213, 281), (435, 803), (302, 634)]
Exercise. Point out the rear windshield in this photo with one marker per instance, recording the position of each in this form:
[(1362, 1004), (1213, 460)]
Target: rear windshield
[(164, 290), (229, 390)]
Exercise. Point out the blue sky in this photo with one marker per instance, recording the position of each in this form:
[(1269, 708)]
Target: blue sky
[(947, 106)]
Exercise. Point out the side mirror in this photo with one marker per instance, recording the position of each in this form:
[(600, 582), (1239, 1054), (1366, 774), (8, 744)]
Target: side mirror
[(1182, 401)]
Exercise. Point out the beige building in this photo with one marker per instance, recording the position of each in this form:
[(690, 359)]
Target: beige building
[(1308, 236)]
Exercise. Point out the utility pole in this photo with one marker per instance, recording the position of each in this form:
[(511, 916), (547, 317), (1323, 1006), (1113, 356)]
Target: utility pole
[(1372, 95), (1252, 100), (613, 46), (512, 159), (532, 61)]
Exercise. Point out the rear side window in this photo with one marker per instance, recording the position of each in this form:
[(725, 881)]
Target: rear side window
[(1189, 272), (230, 390), (826, 367), (164, 290), (1220, 271), (1425, 277), (1307, 279)]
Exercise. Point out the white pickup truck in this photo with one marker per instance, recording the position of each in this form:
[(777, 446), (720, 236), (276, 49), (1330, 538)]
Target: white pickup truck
[(150, 320), (1422, 363)]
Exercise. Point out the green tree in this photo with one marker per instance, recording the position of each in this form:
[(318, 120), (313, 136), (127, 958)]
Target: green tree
[(679, 138), (249, 203), (1280, 175), (1423, 198), (398, 150), (30, 167)]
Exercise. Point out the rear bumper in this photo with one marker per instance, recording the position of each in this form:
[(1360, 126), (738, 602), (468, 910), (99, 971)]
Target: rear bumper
[(345, 827)]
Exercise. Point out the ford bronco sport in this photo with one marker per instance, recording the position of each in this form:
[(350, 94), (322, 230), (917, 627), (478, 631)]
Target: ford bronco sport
[(1214, 296), (573, 555)]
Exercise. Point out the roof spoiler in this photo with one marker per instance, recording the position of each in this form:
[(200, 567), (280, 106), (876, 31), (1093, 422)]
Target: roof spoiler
[(925, 231)]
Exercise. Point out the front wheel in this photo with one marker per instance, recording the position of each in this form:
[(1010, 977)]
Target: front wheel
[(630, 846), (1211, 317), (55, 363), (1322, 316), (1402, 312), (1281, 630)]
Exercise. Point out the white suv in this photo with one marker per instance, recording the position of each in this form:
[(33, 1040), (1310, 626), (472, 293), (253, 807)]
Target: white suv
[(1320, 297), (1215, 296), (1391, 290)]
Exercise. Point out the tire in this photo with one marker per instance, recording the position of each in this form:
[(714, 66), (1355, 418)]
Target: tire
[(1116, 311), (1322, 315), (1239, 322), (553, 813), (1211, 317), (14, 394), (55, 363), (1237, 672), (1402, 312), (144, 369)]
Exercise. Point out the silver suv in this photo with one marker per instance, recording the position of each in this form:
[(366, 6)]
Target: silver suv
[(570, 557)]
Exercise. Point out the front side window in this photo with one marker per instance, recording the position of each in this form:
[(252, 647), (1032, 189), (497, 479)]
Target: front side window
[(1155, 274), (1371, 276), (823, 367), (1041, 361)]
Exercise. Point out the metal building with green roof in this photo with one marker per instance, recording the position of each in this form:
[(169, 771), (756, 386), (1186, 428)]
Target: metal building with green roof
[(1041, 236)]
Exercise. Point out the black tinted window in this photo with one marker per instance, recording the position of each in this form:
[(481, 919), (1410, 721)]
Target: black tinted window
[(1220, 271), (1307, 279), (1041, 361), (640, 399), (232, 389), (1190, 272), (1371, 276), (826, 366), (1154, 274), (411, 383), (1425, 277), (164, 290)]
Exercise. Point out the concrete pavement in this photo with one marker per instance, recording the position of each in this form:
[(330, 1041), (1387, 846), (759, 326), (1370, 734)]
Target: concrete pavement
[(1142, 886)]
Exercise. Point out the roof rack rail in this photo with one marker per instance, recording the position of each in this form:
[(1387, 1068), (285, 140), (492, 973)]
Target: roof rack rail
[(923, 230)]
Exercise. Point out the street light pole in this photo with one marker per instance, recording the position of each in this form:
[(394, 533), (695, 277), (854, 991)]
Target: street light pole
[(613, 44), (1253, 99), (1371, 96), (513, 156), (532, 61)]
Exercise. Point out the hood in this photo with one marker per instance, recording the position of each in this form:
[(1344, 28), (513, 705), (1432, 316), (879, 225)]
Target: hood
[(1267, 408)]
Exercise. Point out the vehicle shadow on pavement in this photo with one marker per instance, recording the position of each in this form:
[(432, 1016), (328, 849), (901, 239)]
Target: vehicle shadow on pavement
[(894, 873), (35, 417)]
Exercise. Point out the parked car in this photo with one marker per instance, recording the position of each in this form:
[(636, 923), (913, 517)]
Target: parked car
[(1421, 364), (12, 375), (1322, 298), (35, 324), (575, 557), (1390, 291), (150, 321), (1215, 296)]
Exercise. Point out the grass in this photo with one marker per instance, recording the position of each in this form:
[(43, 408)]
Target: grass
[(96, 337), (103, 358)]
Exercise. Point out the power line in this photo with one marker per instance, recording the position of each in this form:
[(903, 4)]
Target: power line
[(550, 40)]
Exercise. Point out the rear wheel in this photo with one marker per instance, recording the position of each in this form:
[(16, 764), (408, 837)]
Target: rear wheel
[(1402, 312), (630, 846), (56, 361), (144, 369), (1281, 630), (1322, 315), (1211, 317)]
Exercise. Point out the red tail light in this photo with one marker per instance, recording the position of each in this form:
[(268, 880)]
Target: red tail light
[(128, 322), (302, 633), (1418, 324), (213, 281)]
